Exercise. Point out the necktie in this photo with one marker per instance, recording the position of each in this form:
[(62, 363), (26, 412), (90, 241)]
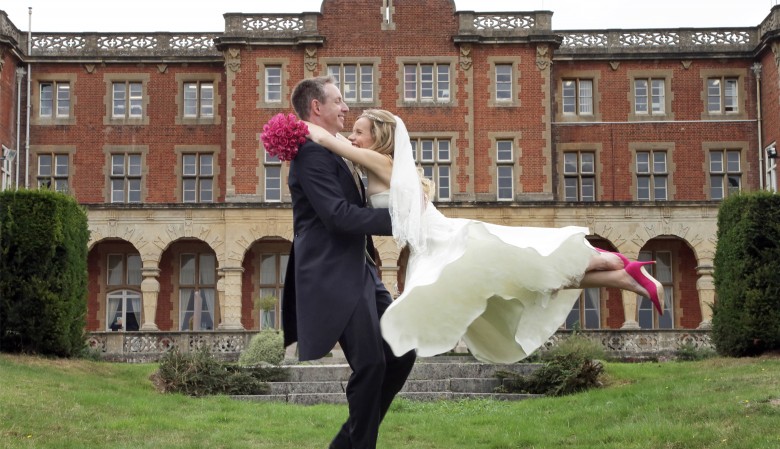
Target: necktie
[(355, 176)]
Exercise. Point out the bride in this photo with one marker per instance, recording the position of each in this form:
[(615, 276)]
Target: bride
[(504, 290)]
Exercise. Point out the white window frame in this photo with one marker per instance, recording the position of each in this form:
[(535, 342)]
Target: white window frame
[(126, 177), (273, 83), (198, 99), (650, 96), (272, 186), (652, 175), (427, 82), (54, 174), (581, 169), (504, 76), (435, 158), (505, 170), (723, 95), (55, 103), (127, 99), (355, 80), (577, 96), (197, 173), (724, 172)]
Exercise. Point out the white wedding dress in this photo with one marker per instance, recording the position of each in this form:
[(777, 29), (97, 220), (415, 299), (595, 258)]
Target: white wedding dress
[(499, 288)]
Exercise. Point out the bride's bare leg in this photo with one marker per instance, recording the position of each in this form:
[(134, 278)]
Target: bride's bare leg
[(611, 279), (604, 261)]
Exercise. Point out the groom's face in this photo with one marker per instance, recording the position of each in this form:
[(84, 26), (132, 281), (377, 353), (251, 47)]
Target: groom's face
[(332, 111)]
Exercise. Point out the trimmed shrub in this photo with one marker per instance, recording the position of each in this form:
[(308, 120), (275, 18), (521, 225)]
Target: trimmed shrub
[(200, 374), (265, 347), (746, 314), (43, 273), (569, 368)]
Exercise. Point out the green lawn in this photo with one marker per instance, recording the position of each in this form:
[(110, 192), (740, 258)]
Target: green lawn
[(716, 403)]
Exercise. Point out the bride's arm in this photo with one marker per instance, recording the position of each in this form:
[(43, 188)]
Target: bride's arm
[(378, 164)]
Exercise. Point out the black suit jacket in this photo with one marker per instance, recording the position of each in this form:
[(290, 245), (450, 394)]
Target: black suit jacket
[(326, 270)]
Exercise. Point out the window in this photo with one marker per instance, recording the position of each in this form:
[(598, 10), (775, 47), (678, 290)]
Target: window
[(722, 95), (649, 96), (273, 268), (505, 163), (53, 172), (273, 84), (725, 173), (577, 97), (197, 291), (586, 313), (197, 178), (199, 99), (123, 279), (123, 270), (356, 81), (427, 83), (503, 82), (579, 176), (273, 178), (125, 178), (651, 176), (54, 99), (127, 99), (434, 157), (661, 270)]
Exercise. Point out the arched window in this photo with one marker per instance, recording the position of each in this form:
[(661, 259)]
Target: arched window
[(123, 310), (661, 270), (586, 313), (197, 291), (273, 267)]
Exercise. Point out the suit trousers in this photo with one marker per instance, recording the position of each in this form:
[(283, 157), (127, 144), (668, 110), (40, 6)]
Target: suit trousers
[(377, 374)]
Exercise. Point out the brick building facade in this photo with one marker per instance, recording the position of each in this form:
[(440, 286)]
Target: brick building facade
[(636, 134)]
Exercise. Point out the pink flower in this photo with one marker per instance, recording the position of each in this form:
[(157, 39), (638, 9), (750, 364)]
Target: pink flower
[(282, 136)]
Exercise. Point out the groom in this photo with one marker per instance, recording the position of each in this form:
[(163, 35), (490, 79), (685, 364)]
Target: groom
[(333, 292)]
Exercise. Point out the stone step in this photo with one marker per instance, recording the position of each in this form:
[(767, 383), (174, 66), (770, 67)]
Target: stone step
[(451, 379), (426, 371), (341, 398), (457, 385)]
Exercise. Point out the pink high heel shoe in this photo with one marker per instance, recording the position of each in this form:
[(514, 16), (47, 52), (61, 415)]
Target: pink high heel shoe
[(654, 288), (623, 258)]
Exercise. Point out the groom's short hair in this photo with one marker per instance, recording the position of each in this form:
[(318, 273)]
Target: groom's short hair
[(307, 90)]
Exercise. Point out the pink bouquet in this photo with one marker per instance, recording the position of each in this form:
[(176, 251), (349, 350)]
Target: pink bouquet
[(282, 136)]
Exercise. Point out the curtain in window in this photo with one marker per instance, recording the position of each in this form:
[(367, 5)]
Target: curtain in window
[(114, 309), (207, 309), (187, 306), (133, 318)]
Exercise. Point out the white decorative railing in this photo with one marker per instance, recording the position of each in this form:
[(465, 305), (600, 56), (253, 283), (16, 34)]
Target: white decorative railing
[(738, 40), (297, 28), (228, 345)]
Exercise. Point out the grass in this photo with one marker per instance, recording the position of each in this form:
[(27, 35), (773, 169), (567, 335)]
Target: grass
[(714, 403)]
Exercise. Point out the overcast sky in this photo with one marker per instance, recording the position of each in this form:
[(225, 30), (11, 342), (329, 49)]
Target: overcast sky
[(206, 15)]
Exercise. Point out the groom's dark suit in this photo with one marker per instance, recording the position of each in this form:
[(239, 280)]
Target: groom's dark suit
[(334, 294)]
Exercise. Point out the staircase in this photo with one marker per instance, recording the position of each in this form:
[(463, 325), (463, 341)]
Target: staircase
[(431, 379)]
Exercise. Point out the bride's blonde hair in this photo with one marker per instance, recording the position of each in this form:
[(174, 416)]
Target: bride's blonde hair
[(382, 130), (383, 133)]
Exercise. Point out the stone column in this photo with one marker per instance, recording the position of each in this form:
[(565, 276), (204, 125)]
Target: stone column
[(706, 288), (630, 300), (229, 295), (150, 288)]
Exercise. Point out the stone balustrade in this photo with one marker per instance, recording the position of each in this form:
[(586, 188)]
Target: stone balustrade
[(489, 27), (228, 345)]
